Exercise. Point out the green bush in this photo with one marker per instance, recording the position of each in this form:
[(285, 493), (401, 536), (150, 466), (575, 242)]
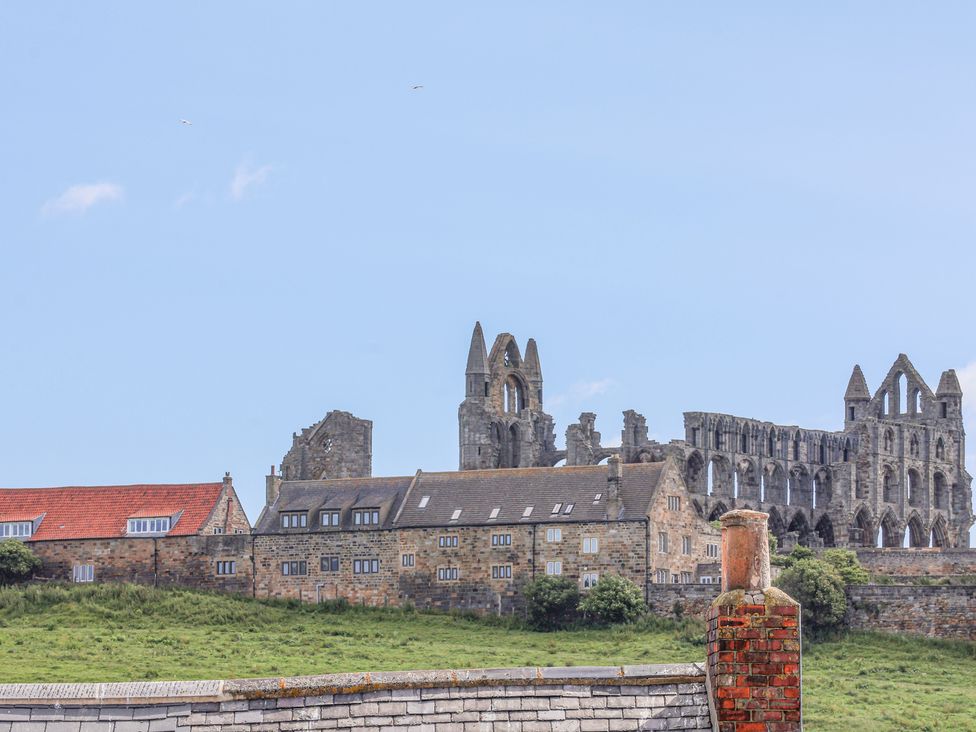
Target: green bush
[(844, 561), (613, 599), (819, 590), (17, 562), (551, 602)]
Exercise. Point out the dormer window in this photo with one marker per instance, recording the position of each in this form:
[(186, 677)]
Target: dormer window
[(18, 529), (366, 517), (329, 519), (155, 525), (294, 520)]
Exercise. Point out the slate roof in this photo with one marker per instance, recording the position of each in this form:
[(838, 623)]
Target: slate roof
[(476, 493), (101, 512)]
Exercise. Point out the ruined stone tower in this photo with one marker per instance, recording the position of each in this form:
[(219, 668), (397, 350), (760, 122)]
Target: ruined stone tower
[(501, 422), (338, 446)]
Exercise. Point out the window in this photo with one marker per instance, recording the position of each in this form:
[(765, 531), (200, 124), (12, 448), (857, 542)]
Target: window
[(329, 564), (686, 578), (365, 566), (662, 576), (16, 528), (501, 571), (706, 580), (553, 535), (294, 520), (366, 517), (223, 568), (589, 580), (674, 579), (557, 508), (686, 545), (218, 529), (674, 503), (591, 545), (569, 509), (494, 514), (294, 568), (238, 531), (694, 436), (149, 525), (850, 414), (940, 449), (329, 518), (424, 500), (554, 567), (447, 574), (711, 550), (597, 497), (662, 542), (527, 512), (407, 560), (450, 541), (501, 539), (456, 515), (86, 573), (945, 409)]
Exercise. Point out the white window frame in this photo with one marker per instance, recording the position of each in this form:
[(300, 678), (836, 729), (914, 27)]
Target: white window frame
[(589, 579), (226, 567), (18, 529), (674, 503), (501, 571), (711, 550), (149, 525), (83, 573), (448, 541), (527, 512), (591, 545), (661, 576), (365, 566), (447, 574), (329, 518), (408, 560), (663, 542), (554, 568), (424, 500), (300, 564), (686, 545), (501, 540), (554, 535)]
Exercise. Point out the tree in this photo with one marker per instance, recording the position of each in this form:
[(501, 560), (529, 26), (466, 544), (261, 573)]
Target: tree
[(17, 562), (819, 590), (845, 562), (551, 602), (613, 599)]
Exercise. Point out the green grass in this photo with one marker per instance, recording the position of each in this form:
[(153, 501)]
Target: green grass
[(120, 633)]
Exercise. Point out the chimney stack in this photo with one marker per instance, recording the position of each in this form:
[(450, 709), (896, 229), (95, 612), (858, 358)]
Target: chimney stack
[(272, 487), (615, 475)]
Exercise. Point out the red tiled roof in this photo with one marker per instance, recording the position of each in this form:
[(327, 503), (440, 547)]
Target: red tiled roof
[(100, 512)]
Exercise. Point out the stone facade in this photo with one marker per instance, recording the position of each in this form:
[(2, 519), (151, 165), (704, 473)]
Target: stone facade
[(579, 699), (933, 611), (919, 562), (338, 446)]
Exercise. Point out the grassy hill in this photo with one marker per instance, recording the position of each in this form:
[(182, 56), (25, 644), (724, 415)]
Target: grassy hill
[(120, 633)]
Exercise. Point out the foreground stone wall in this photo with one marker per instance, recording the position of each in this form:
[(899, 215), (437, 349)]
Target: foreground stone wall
[(918, 562), (693, 600), (936, 612), (579, 699)]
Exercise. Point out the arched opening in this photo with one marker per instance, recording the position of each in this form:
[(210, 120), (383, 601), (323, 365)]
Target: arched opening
[(801, 526), (913, 446), (698, 508), (511, 358), (917, 401), (889, 490), (771, 443), (720, 477), (940, 536), (718, 439), (775, 484), (914, 488), (823, 450), (889, 441), (718, 510), (514, 447), (901, 388), (847, 450), (561, 463), (744, 441), (825, 529), (890, 536), (799, 491), (711, 478), (940, 492), (861, 531), (776, 526), (498, 446), (514, 395), (796, 446), (695, 472), (916, 536), (885, 404), (940, 449), (823, 491), (746, 483)]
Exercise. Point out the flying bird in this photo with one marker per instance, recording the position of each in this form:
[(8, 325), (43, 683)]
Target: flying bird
[(185, 122), (417, 86)]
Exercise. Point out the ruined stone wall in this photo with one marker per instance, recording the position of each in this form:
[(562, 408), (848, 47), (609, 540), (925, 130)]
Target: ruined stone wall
[(918, 562), (670, 697), (338, 446), (693, 600), (933, 611)]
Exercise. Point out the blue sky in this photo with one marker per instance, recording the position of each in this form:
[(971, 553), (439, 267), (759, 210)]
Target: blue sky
[(688, 206)]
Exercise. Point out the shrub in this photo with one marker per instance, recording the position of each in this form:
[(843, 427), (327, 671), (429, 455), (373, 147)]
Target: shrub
[(551, 602), (844, 561), (17, 562), (613, 599), (819, 590)]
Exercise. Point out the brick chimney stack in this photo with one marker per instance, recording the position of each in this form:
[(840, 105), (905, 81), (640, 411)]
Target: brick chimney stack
[(272, 487), (753, 637)]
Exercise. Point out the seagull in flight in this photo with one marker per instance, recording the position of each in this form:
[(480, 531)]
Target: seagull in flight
[(417, 86), (186, 122)]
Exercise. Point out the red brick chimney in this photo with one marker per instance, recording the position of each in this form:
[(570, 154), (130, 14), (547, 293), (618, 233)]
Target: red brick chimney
[(753, 636)]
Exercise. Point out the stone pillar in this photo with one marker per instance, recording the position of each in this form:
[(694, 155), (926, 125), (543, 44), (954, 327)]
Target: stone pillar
[(753, 637)]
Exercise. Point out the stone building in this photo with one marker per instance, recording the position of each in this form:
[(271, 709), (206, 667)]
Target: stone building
[(472, 539), (338, 446)]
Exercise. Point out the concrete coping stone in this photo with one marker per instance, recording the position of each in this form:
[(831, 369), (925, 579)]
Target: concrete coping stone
[(181, 692)]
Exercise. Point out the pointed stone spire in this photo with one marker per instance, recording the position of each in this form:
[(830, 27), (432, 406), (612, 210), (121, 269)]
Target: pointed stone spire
[(532, 358), (477, 353), (949, 384), (857, 387)]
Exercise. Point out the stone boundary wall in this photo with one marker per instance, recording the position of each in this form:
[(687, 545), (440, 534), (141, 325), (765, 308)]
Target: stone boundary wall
[(918, 562), (575, 699), (933, 611), (693, 600)]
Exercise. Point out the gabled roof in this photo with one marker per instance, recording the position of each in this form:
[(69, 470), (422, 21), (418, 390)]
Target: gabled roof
[(857, 387), (949, 384), (101, 512)]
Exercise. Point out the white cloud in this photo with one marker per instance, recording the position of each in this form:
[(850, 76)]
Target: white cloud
[(80, 198), (246, 176), (183, 200), (580, 391)]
